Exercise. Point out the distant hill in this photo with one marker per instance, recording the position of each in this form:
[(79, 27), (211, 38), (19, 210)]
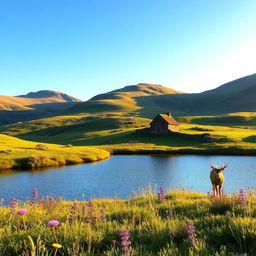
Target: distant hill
[(49, 94), (33, 105), (148, 99), (122, 100), (109, 117), (139, 90)]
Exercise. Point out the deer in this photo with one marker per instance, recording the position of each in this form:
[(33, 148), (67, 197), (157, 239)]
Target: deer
[(217, 178)]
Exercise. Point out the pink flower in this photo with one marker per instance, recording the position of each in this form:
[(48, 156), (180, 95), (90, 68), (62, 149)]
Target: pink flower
[(113, 241), (53, 223), (22, 211), (88, 221)]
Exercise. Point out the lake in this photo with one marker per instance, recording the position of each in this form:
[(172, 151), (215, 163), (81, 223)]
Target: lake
[(120, 175)]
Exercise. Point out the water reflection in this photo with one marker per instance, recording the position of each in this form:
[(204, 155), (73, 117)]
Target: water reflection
[(120, 175)]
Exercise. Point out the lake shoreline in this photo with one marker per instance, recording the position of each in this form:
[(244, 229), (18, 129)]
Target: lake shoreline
[(232, 151)]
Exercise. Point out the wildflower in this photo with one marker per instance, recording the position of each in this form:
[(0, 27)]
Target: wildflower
[(103, 215), (71, 216), (35, 194), (191, 232), (58, 246), (113, 241), (74, 206), (53, 223), (13, 205), (161, 194), (83, 210), (125, 242), (22, 211), (90, 206), (88, 221), (243, 197)]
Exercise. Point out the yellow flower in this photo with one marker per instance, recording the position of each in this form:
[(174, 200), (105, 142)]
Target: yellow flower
[(56, 245)]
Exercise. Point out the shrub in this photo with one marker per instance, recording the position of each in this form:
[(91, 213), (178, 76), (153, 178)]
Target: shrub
[(41, 147)]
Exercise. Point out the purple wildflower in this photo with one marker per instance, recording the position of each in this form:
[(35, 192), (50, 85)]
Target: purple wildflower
[(53, 223), (103, 215), (22, 211), (72, 213), (13, 205), (74, 206), (90, 206), (125, 242), (243, 197), (161, 194), (35, 194), (191, 233), (83, 210)]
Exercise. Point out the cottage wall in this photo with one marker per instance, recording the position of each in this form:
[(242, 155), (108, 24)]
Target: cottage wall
[(158, 126), (161, 126)]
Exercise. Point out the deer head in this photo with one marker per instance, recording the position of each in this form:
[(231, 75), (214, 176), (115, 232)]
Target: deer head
[(217, 168)]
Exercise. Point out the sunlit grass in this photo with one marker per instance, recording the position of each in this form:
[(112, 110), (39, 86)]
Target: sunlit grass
[(17, 153), (114, 131), (222, 225)]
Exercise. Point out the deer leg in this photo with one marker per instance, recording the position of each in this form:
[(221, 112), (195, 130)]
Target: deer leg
[(214, 190), (220, 190)]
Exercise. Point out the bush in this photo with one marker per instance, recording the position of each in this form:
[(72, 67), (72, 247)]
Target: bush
[(41, 147)]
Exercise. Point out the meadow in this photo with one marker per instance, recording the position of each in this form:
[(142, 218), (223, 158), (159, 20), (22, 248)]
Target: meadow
[(176, 223), (20, 154), (115, 132)]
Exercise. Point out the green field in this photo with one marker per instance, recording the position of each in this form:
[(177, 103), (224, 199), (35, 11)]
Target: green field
[(20, 154), (157, 227), (235, 133)]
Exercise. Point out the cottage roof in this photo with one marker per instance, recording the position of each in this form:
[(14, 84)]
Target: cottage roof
[(169, 119)]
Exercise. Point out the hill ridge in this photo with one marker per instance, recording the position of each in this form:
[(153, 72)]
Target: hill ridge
[(50, 93)]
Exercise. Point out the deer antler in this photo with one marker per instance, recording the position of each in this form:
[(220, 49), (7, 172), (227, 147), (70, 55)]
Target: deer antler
[(211, 165), (225, 166)]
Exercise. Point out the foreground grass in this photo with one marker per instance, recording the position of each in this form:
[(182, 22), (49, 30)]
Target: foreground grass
[(225, 226), (20, 154)]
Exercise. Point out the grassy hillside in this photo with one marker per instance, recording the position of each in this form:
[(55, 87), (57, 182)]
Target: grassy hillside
[(20, 154), (143, 100), (109, 120), (148, 99), (125, 100), (179, 223), (235, 133)]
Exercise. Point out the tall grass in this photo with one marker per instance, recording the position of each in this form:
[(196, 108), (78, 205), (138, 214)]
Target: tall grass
[(156, 226)]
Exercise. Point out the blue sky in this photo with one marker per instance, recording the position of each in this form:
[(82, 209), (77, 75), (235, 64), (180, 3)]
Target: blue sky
[(86, 47)]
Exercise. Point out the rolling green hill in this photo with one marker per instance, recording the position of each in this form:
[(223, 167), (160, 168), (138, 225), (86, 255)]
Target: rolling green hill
[(109, 120), (126, 100), (146, 100)]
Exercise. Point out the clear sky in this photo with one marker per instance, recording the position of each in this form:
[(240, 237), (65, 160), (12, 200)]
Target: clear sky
[(87, 47)]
